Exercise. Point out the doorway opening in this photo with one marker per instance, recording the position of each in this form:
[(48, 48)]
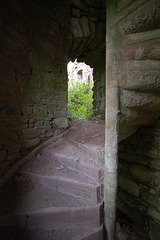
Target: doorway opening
[(80, 90)]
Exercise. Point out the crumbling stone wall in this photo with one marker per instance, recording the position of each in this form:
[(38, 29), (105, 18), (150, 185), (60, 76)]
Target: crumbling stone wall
[(139, 180), (79, 72)]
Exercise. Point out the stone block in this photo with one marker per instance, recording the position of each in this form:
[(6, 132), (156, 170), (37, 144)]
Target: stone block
[(22, 126), (39, 123), (32, 120), (100, 36), (154, 191), (141, 173), (153, 213), (45, 128), (135, 23), (50, 113), (25, 131), (32, 142), (76, 28), (60, 114), (42, 136), (156, 179), (128, 185), (49, 134), (61, 122), (129, 157), (156, 164), (85, 26), (151, 199), (133, 213), (33, 133), (31, 125), (46, 123), (40, 111), (156, 142), (154, 231), (27, 111)]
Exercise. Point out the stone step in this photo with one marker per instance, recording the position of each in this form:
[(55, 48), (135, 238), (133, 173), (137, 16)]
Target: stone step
[(140, 65), (141, 37), (96, 173), (90, 192), (39, 233), (67, 147), (56, 217), (22, 194), (29, 156), (89, 132), (141, 101), (132, 118), (95, 234), (58, 193), (141, 80), (91, 151), (47, 165)]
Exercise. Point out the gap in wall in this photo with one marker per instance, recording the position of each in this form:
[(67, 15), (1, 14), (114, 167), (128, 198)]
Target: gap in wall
[(80, 93)]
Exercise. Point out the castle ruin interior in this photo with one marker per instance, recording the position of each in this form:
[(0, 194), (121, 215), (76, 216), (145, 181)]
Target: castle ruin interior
[(120, 39)]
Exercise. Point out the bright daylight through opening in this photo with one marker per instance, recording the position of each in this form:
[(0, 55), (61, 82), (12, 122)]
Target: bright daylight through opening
[(80, 93)]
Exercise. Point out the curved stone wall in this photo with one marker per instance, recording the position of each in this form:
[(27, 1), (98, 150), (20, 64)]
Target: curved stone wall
[(139, 182), (37, 40)]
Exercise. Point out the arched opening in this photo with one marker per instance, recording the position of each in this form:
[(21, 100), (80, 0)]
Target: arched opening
[(80, 90)]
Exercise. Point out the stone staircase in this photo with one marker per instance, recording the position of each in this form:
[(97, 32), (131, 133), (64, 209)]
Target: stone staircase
[(58, 194)]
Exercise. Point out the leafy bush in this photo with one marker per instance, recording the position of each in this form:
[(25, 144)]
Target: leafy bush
[(80, 98)]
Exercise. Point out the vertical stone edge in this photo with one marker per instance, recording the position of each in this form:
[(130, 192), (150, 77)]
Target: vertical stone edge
[(111, 133)]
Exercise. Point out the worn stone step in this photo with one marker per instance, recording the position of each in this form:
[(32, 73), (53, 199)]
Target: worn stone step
[(140, 65), (41, 233), (65, 146), (144, 80), (88, 131), (96, 173), (29, 156), (91, 151), (141, 37), (142, 101), (132, 118), (47, 165), (23, 194), (56, 217), (89, 137), (90, 192), (95, 234)]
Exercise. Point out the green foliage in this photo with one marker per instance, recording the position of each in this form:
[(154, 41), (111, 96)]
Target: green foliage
[(80, 98)]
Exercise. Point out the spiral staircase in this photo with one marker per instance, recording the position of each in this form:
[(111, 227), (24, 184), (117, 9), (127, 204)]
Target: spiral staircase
[(58, 194)]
